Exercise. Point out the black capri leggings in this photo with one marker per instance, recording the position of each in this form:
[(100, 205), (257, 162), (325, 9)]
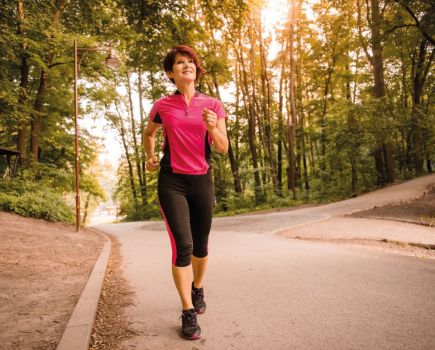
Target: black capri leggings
[(186, 203)]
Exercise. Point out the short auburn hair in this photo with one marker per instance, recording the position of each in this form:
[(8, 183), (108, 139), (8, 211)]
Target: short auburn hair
[(169, 60)]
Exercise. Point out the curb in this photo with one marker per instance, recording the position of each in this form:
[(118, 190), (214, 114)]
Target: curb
[(427, 246), (77, 333), (280, 232)]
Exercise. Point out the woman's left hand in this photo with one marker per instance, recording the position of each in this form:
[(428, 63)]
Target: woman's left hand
[(210, 119)]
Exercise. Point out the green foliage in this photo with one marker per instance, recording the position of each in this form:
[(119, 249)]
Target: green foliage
[(340, 125), (242, 204), (148, 212), (35, 200), (47, 175), (41, 191), (91, 185)]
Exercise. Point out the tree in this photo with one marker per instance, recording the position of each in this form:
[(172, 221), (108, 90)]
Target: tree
[(383, 152)]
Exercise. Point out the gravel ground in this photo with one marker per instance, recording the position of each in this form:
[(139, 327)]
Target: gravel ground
[(420, 211), (44, 267), (111, 326), (383, 228)]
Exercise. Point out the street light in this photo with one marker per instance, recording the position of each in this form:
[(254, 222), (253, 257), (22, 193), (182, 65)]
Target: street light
[(110, 62)]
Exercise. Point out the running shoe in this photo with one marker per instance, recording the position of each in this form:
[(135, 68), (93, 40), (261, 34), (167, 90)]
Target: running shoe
[(198, 300), (189, 325)]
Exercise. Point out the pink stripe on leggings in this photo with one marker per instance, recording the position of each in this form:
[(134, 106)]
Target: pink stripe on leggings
[(171, 237)]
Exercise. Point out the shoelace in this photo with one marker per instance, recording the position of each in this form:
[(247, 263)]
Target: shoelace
[(199, 292), (190, 319)]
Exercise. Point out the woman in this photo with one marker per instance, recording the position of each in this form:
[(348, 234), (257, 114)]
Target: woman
[(191, 122)]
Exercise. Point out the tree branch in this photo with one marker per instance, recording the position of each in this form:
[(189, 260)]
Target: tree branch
[(56, 64), (369, 21), (417, 21), (398, 27), (363, 43)]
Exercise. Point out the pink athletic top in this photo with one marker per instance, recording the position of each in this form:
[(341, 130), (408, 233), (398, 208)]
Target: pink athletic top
[(186, 146)]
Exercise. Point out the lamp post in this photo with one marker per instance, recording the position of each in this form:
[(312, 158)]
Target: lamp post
[(110, 62)]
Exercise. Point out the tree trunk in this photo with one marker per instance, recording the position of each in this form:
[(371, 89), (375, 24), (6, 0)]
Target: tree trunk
[(127, 157), (220, 184), (281, 118), (379, 88), (266, 102), (292, 115), (426, 134), (323, 138), (86, 210), (37, 114), (254, 105), (404, 99), (384, 173), (142, 153), (421, 70), (350, 123), (137, 158), (234, 161), (251, 121), (234, 169), (379, 162), (221, 188), (24, 82), (42, 89), (299, 93), (310, 143), (237, 121), (354, 173)]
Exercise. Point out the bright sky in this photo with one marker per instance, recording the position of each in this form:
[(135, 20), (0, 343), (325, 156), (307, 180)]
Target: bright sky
[(273, 17), (274, 14)]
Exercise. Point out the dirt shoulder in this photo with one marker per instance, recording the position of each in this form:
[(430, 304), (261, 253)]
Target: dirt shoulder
[(44, 267), (389, 229), (420, 211), (111, 325)]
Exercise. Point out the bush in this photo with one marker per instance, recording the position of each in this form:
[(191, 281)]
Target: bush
[(148, 212), (241, 204), (34, 200)]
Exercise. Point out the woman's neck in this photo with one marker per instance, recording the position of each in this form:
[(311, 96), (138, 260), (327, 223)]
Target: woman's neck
[(188, 90)]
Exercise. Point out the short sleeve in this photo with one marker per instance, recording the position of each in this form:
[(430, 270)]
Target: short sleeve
[(220, 110), (154, 114)]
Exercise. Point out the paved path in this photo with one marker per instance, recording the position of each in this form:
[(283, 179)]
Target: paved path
[(268, 292)]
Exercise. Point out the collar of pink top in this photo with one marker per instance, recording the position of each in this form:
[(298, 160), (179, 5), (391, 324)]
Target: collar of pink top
[(177, 92)]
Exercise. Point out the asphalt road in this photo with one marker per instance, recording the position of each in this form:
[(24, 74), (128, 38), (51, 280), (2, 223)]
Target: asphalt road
[(264, 291)]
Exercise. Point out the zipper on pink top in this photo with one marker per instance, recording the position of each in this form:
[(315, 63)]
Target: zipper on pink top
[(187, 106)]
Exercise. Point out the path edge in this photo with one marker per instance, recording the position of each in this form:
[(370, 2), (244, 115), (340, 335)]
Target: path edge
[(77, 333)]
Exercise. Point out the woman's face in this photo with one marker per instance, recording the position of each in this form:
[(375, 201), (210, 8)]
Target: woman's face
[(183, 70)]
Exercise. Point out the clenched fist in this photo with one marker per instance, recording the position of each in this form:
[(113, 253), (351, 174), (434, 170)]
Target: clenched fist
[(152, 163), (210, 119)]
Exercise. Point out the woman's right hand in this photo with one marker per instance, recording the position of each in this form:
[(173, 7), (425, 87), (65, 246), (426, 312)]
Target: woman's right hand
[(152, 163)]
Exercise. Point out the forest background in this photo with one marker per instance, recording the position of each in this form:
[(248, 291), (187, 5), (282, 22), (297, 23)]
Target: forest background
[(336, 101)]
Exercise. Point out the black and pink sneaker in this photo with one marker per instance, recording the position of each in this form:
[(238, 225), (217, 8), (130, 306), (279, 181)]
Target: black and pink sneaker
[(189, 325), (198, 300)]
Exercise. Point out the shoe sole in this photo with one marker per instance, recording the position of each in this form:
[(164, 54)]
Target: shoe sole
[(194, 337)]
